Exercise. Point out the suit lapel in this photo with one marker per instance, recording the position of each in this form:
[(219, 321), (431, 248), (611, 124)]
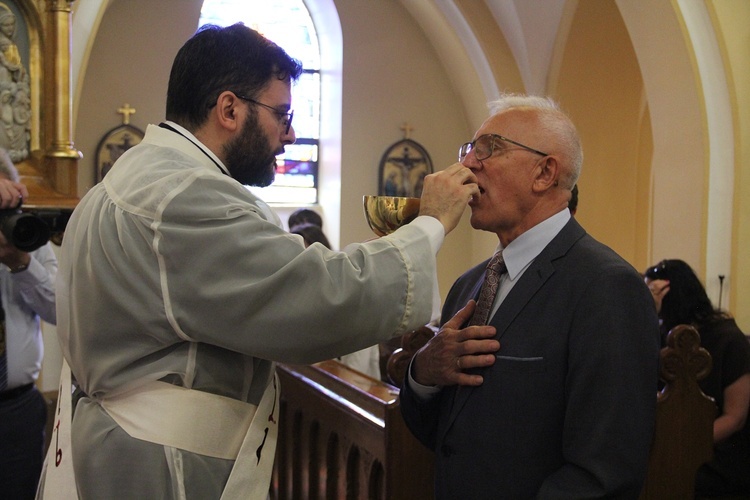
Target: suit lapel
[(540, 270)]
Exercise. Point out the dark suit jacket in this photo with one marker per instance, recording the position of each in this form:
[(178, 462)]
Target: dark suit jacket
[(568, 408)]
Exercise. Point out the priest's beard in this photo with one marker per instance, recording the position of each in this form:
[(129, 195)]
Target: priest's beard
[(249, 157)]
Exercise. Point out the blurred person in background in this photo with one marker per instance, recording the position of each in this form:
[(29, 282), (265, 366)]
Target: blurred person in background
[(27, 290), (680, 298)]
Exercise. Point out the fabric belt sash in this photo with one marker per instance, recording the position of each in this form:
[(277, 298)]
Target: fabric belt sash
[(190, 420), (203, 423), (57, 480), (207, 424)]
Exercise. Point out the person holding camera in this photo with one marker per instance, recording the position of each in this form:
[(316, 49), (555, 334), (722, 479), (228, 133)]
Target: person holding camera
[(27, 294)]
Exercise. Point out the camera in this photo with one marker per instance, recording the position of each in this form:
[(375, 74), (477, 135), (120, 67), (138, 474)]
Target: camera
[(28, 230)]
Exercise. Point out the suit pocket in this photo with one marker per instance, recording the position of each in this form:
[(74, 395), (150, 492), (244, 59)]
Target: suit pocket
[(520, 365)]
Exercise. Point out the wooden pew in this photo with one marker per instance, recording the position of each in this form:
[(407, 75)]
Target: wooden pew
[(683, 439), (341, 435)]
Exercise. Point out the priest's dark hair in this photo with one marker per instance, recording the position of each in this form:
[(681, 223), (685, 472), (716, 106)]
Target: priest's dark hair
[(216, 59)]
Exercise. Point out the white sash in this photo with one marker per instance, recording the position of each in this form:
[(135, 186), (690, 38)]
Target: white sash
[(190, 420), (58, 478), (251, 475)]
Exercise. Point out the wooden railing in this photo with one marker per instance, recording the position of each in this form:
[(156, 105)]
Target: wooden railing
[(341, 435)]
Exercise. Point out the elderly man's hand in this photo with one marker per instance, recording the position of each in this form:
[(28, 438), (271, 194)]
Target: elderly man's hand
[(444, 358)]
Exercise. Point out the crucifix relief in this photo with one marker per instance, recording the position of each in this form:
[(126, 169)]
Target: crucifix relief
[(404, 167), (116, 142)]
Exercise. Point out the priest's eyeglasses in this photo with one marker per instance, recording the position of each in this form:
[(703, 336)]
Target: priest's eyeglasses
[(484, 145), (284, 117)]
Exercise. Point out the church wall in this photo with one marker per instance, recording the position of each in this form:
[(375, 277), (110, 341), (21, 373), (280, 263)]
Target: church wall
[(600, 85), (730, 17), (392, 75), (129, 63)]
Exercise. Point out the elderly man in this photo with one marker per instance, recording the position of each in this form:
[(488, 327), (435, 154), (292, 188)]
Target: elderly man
[(553, 396)]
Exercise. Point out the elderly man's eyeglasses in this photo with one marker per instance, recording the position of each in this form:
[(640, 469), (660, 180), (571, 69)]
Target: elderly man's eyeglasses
[(484, 145), (285, 118)]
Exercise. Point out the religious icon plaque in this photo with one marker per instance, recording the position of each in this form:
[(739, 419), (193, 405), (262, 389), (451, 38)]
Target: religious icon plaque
[(403, 168), (116, 142)]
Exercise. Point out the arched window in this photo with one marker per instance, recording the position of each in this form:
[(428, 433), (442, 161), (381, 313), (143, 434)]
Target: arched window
[(288, 24)]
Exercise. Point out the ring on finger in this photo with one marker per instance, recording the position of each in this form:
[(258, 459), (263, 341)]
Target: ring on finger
[(458, 362)]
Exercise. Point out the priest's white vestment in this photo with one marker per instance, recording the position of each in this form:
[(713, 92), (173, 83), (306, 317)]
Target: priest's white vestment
[(172, 271)]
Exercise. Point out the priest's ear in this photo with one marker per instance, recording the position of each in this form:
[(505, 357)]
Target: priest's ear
[(228, 111)]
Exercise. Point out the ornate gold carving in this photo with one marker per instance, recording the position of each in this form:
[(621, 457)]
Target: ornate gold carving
[(51, 169)]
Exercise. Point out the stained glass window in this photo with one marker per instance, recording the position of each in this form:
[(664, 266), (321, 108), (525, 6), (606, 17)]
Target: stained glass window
[(288, 24)]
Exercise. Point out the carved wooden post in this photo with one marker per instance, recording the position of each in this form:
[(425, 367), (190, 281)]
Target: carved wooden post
[(683, 437)]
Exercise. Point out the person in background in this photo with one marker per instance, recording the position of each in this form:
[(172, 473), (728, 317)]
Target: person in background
[(548, 389), (680, 299), (175, 283), (311, 233), (305, 216), (27, 292)]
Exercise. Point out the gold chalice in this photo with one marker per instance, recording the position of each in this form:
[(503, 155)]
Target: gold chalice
[(385, 214)]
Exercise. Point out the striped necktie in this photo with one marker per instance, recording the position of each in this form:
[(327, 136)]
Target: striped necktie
[(495, 269)]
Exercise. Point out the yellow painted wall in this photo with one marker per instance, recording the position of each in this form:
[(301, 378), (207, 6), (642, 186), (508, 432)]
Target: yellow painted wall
[(732, 18), (600, 86), (394, 74), (391, 75)]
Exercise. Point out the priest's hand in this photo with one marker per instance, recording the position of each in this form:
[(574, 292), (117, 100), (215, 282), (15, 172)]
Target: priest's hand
[(444, 359), (446, 194)]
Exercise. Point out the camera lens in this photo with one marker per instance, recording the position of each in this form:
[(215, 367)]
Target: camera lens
[(24, 231)]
